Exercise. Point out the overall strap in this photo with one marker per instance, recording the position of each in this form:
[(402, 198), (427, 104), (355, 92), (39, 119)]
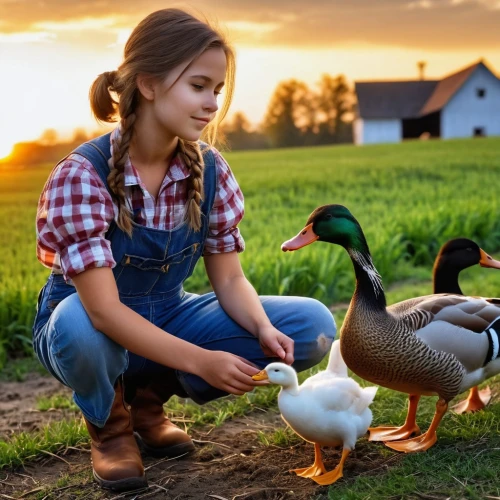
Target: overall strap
[(209, 178), (98, 152)]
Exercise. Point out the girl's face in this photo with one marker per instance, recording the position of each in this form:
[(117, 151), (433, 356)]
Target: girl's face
[(186, 106)]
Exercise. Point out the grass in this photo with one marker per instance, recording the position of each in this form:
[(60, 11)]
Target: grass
[(54, 437), (55, 402), (280, 437), (409, 199), (17, 369), (454, 471)]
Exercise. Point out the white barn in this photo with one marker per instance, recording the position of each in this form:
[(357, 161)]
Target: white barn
[(463, 104)]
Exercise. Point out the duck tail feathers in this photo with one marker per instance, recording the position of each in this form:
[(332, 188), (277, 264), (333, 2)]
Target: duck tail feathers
[(336, 363), (364, 399), (369, 394)]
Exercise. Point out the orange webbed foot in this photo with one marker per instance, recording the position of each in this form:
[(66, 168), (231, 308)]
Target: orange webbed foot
[(393, 433), (409, 429), (426, 440), (310, 472), (419, 443), (476, 401), (316, 469), (335, 474)]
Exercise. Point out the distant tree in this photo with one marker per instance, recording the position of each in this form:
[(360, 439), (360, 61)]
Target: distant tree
[(49, 137), (238, 133), (288, 116), (239, 123), (335, 106), (80, 135)]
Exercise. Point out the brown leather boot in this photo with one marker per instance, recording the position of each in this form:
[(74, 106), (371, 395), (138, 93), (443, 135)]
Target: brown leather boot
[(116, 459), (157, 435)]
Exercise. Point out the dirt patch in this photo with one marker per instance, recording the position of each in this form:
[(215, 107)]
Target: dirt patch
[(18, 404), (230, 461)]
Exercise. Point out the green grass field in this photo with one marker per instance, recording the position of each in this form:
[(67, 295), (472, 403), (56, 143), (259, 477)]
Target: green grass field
[(409, 199)]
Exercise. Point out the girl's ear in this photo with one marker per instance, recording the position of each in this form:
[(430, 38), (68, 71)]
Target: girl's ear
[(146, 85)]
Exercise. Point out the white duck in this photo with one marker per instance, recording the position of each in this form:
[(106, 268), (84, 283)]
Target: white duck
[(328, 409)]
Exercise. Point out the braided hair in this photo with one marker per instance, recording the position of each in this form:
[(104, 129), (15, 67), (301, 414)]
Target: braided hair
[(114, 95)]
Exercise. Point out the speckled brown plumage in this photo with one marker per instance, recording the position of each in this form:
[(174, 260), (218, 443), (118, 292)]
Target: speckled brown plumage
[(382, 346)]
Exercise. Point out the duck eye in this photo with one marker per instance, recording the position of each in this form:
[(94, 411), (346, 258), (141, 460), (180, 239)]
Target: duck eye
[(276, 370), (469, 249), (328, 216)]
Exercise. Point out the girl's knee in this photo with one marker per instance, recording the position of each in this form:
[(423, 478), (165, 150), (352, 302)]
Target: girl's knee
[(318, 320), (317, 333)]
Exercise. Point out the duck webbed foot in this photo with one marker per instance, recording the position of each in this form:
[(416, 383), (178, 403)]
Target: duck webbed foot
[(316, 469), (476, 401), (426, 440), (335, 474), (409, 428)]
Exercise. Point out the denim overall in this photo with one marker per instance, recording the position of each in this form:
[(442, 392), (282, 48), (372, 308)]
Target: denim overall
[(150, 270)]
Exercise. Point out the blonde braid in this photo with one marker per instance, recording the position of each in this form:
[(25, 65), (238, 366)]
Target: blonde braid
[(190, 154), (116, 178)]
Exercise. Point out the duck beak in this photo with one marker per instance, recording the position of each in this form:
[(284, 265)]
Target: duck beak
[(262, 375), (305, 237), (487, 261)]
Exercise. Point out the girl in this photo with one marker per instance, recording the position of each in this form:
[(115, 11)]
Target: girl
[(122, 222)]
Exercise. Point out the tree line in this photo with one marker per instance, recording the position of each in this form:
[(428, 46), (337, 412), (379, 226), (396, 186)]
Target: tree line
[(298, 116)]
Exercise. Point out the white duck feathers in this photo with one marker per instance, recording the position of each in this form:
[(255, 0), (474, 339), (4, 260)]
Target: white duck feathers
[(329, 408)]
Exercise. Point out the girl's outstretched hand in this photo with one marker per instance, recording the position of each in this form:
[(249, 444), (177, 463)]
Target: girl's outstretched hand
[(228, 372), (276, 344)]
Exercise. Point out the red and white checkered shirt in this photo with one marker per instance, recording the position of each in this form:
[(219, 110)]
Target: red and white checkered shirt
[(75, 210)]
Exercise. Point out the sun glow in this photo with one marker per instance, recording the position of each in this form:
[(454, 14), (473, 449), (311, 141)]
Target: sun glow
[(5, 149), (47, 72)]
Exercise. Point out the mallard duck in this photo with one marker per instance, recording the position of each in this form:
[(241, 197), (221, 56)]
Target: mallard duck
[(328, 409), (453, 257), (440, 344)]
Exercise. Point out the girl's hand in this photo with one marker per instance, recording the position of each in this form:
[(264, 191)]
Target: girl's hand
[(276, 344), (228, 372)]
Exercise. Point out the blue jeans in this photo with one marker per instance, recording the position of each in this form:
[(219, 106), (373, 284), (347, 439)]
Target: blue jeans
[(89, 362)]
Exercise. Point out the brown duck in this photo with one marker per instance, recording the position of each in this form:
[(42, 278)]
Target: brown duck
[(440, 344)]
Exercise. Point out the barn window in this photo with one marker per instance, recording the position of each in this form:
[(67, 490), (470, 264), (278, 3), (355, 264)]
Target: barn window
[(479, 132), (481, 93)]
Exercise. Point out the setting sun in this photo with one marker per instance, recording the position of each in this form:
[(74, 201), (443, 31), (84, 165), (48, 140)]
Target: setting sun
[(5, 149)]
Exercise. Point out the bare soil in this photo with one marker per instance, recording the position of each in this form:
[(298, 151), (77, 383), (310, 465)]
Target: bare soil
[(230, 461)]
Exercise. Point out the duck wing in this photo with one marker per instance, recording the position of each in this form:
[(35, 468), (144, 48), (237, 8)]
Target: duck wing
[(332, 394), (431, 303), (465, 327)]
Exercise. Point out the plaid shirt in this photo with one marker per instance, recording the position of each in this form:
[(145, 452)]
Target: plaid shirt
[(75, 210)]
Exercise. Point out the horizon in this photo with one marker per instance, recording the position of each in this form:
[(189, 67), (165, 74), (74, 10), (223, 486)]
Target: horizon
[(51, 52)]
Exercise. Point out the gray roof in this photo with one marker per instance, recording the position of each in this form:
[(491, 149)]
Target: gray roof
[(409, 99), (393, 99)]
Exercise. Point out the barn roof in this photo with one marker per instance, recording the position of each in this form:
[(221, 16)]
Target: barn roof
[(393, 99), (411, 98)]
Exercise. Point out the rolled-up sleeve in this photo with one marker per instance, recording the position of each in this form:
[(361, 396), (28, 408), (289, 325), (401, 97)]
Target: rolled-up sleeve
[(228, 210), (72, 220)]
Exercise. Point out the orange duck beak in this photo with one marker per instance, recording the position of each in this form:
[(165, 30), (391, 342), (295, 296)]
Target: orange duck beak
[(262, 375), (487, 261), (305, 237)]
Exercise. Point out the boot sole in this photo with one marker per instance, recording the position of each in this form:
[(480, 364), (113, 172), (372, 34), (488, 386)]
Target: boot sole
[(130, 483), (169, 451)]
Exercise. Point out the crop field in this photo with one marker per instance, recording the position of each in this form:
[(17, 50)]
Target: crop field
[(409, 199)]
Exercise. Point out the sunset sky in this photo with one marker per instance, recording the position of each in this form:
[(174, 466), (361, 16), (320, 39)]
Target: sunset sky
[(51, 50)]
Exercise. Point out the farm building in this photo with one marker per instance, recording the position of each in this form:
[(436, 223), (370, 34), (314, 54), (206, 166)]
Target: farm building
[(463, 104)]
